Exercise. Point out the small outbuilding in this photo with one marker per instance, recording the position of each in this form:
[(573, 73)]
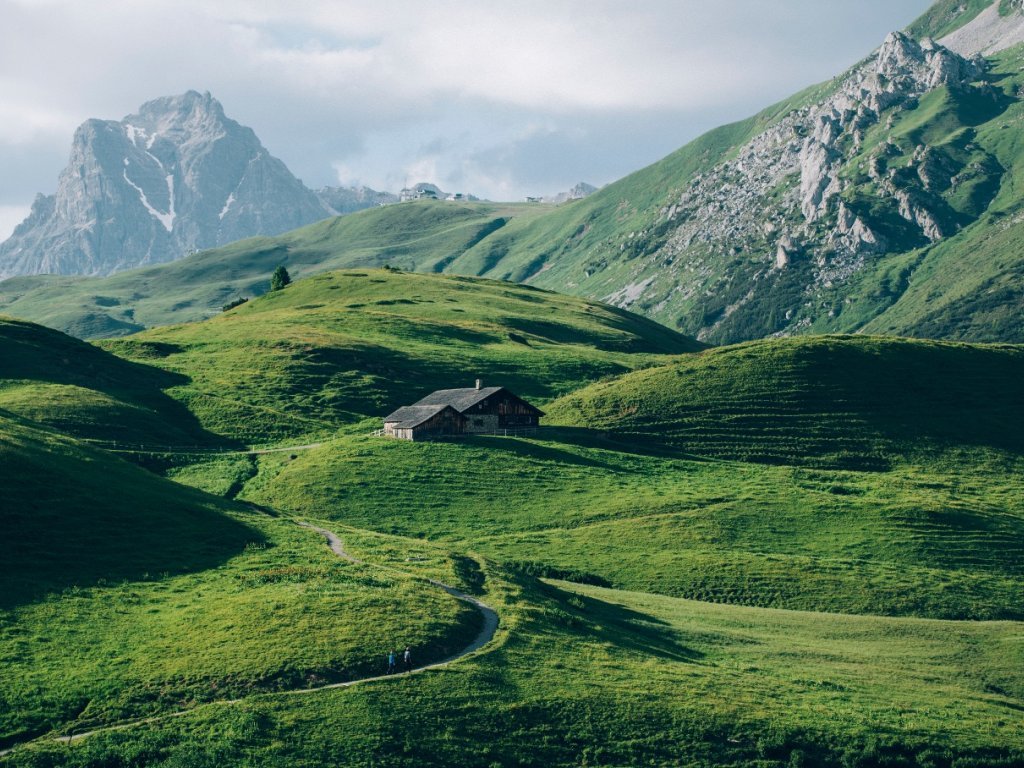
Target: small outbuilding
[(473, 410), (416, 422)]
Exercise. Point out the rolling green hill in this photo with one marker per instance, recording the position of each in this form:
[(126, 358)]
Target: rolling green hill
[(912, 542), (609, 678), (64, 527), (846, 474), (123, 594), (82, 391), (790, 552), (832, 401), (870, 477), (334, 349)]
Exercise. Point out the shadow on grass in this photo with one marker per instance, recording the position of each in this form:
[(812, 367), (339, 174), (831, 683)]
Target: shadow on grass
[(615, 624), (37, 354), (534, 450), (76, 518)]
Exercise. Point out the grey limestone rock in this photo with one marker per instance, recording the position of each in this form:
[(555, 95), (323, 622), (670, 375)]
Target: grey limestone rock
[(176, 177)]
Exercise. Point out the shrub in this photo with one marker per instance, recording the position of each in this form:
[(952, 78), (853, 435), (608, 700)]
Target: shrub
[(280, 278), (236, 303)]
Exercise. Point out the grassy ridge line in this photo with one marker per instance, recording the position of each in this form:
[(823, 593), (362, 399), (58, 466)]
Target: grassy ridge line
[(332, 350), (843, 402)]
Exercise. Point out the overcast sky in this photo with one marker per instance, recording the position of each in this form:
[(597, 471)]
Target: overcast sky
[(499, 98)]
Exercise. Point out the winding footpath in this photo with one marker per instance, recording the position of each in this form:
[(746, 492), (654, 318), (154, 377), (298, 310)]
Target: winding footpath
[(485, 636)]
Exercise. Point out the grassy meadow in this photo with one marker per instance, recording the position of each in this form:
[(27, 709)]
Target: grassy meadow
[(124, 594), (792, 552), (721, 685)]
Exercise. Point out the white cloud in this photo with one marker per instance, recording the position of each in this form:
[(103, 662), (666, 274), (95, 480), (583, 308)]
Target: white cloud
[(368, 86)]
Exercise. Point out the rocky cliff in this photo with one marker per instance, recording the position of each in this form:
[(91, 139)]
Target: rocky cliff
[(176, 177), (767, 227)]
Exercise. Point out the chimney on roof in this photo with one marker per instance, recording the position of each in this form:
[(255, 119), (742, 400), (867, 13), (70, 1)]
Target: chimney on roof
[(479, 384)]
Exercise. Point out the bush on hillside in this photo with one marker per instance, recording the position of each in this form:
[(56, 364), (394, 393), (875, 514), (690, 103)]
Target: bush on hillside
[(236, 303), (280, 278)]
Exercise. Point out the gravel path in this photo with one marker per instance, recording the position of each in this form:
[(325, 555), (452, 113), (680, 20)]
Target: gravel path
[(485, 636)]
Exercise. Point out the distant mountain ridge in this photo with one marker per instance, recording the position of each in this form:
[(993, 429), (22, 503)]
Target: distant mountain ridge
[(578, 192), (176, 177)]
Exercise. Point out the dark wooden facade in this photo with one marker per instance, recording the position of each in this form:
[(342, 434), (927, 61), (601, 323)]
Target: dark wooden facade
[(502, 410)]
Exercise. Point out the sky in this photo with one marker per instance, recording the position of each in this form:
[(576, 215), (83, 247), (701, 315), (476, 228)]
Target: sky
[(497, 98)]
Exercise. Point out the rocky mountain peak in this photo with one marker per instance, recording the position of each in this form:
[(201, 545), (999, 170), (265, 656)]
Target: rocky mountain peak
[(190, 115), (175, 177), (903, 69), (813, 198)]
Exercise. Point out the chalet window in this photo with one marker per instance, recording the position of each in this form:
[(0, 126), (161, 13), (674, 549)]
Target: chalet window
[(478, 422)]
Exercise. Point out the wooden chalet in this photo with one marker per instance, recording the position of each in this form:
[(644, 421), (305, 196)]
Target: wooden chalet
[(474, 410)]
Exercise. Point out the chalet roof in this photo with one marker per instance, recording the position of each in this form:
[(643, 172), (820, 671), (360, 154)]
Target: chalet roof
[(459, 399), (411, 416), (464, 399)]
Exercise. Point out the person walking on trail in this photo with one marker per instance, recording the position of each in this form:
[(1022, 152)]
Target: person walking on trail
[(407, 659), (392, 666)]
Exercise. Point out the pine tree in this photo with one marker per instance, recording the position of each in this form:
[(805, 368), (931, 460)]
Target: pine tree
[(280, 278)]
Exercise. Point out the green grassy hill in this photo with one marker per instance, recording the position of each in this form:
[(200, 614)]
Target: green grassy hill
[(64, 526), (123, 594), (607, 678), (337, 348), (85, 392), (875, 478), (833, 401), (792, 552), (846, 474)]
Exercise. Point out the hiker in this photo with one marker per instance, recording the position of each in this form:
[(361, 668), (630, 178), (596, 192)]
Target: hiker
[(407, 658), (391, 663)]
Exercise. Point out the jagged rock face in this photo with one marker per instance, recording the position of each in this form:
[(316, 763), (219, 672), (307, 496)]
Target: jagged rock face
[(779, 203), (578, 192), (176, 177), (903, 69)]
